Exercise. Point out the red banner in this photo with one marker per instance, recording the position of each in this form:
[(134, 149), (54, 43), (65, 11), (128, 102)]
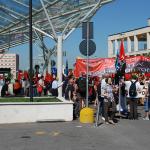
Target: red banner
[(99, 66)]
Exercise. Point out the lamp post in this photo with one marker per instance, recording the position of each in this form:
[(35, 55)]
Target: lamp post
[(30, 50)]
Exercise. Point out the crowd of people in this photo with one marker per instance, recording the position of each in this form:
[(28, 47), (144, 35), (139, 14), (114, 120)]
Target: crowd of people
[(123, 97), (111, 96), (42, 86)]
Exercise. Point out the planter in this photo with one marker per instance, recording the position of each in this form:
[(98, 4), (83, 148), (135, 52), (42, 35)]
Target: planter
[(22, 112)]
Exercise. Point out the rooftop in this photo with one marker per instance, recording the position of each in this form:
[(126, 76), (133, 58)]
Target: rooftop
[(64, 15)]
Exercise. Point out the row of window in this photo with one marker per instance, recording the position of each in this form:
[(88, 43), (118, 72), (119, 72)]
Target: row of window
[(7, 56), (7, 60), (7, 64)]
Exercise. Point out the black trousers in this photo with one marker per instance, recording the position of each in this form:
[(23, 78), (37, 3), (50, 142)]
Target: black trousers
[(54, 92), (101, 100), (133, 102)]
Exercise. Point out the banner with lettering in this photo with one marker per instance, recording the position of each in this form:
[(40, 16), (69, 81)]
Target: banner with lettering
[(99, 66)]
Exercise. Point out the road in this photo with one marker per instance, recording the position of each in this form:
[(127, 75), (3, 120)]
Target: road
[(125, 135)]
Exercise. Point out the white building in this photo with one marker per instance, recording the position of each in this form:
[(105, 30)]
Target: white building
[(136, 42), (10, 61)]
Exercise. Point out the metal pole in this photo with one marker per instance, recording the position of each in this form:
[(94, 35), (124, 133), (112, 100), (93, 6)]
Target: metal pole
[(97, 114), (30, 50), (87, 66)]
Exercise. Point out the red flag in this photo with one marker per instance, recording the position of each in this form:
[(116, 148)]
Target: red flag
[(20, 75), (26, 75), (122, 53)]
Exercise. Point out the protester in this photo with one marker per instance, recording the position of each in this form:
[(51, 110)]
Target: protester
[(54, 90), (133, 87), (76, 105), (123, 102), (147, 100), (69, 90), (109, 102), (40, 84), (4, 90), (81, 82), (103, 85), (17, 87), (98, 91)]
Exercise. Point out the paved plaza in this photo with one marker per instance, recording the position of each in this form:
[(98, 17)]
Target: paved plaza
[(125, 135)]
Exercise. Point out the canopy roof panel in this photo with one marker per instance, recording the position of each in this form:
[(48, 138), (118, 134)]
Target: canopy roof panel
[(63, 14)]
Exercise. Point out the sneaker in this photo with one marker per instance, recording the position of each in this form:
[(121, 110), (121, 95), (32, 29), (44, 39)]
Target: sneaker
[(103, 118), (146, 118), (111, 121), (107, 123)]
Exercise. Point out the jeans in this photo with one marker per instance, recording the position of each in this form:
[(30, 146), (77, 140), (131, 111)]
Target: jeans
[(123, 103)]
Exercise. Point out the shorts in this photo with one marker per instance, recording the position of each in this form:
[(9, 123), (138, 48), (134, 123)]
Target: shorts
[(147, 105)]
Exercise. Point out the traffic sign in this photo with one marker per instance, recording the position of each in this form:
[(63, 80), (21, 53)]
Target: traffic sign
[(91, 47)]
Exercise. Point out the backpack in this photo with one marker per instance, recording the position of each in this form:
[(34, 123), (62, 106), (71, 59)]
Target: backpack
[(132, 89), (82, 84), (99, 89)]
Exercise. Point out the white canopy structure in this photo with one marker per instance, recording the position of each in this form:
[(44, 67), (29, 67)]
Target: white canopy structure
[(55, 19)]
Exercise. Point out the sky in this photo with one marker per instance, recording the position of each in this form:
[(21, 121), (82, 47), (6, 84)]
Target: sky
[(116, 17)]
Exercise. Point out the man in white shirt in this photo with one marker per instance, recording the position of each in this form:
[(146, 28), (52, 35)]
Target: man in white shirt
[(133, 99), (103, 86), (54, 86)]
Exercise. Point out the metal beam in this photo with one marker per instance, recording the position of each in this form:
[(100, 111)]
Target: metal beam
[(43, 32), (12, 11), (47, 1), (66, 26), (68, 34), (5, 18), (25, 5), (99, 4), (49, 20), (71, 12), (12, 16), (41, 42), (57, 16), (36, 13), (60, 23)]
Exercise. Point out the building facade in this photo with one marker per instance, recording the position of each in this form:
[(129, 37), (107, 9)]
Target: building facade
[(10, 61), (136, 42)]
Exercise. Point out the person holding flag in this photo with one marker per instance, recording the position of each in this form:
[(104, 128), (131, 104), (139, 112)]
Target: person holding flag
[(120, 63), (117, 64), (120, 66), (122, 59)]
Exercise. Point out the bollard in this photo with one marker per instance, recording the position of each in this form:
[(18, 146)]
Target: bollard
[(87, 115)]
